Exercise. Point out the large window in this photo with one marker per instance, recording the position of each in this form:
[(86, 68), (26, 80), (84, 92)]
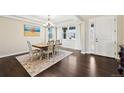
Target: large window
[(72, 32), (69, 32), (50, 35)]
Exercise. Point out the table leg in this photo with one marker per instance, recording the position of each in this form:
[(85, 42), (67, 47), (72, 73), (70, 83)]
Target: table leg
[(41, 54)]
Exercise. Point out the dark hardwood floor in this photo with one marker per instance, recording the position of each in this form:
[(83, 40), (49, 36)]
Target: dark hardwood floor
[(75, 65)]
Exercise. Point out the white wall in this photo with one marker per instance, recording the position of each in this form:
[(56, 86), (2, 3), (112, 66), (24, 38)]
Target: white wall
[(65, 42), (12, 40), (69, 43), (82, 35), (86, 34)]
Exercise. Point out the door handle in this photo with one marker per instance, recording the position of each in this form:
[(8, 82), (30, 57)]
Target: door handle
[(96, 40)]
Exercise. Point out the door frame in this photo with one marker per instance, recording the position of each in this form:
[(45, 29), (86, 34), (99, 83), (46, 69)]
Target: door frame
[(115, 36)]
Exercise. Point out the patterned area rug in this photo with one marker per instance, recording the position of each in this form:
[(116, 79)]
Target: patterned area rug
[(37, 66)]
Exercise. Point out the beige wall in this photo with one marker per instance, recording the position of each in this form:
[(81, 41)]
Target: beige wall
[(12, 40), (120, 32)]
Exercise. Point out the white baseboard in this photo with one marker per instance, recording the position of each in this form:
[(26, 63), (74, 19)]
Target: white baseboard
[(87, 52), (117, 58), (13, 54), (82, 52), (70, 47)]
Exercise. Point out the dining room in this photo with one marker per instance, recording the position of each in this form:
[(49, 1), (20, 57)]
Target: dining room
[(40, 41)]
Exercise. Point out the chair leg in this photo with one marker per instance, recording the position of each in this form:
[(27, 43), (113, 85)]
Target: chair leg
[(48, 56), (41, 55), (52, 54), (58, 50), (32, 58)]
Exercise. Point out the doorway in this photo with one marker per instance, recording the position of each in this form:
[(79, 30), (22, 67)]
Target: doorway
[(103, 36)]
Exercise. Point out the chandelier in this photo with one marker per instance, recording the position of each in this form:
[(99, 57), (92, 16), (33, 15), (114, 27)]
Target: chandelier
[(49, 24)]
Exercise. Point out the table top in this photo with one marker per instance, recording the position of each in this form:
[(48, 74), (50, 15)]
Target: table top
[(42, 45)]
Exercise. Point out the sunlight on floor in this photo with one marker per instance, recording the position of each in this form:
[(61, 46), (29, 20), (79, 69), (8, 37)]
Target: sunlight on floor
[(72, 64), (92, 66)]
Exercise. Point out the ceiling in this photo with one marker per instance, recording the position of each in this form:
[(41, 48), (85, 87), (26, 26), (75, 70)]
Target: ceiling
[(56, 19)]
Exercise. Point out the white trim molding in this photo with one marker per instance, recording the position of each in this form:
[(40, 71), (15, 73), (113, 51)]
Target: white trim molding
[(83, 52), (20, 18), (86, 52), (13, 54)]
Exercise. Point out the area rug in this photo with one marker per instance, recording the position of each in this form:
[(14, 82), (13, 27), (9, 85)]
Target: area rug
[(37, 66)]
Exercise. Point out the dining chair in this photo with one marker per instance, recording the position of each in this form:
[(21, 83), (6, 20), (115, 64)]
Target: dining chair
[(33, 51), (49, 50), (57, 42), (57, 46), (51, 41)]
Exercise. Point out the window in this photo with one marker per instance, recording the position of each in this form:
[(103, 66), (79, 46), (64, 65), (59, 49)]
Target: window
[(64, 32), (72, 32), (50, 33), (72, 28)]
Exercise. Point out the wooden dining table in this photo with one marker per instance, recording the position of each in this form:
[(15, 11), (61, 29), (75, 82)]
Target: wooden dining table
[(40, 45)]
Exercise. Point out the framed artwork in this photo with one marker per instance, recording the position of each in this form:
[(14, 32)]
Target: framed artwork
[(30, 30)]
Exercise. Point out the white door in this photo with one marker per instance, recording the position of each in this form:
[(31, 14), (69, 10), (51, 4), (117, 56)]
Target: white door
[(105, 36)]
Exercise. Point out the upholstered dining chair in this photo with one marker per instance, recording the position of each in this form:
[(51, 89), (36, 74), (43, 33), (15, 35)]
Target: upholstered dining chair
[(51, 41), (57, 46), (33, 51), (49, 50)]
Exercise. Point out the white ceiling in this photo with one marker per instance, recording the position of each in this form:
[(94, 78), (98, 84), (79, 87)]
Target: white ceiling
[(56, 19)]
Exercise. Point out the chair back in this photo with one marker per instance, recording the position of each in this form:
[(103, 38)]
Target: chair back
[(50, 46), (52, 42), (57, 45), (29, 47), (57, 42)]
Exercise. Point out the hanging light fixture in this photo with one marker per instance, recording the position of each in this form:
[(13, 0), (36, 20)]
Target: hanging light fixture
[(49, 24)]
